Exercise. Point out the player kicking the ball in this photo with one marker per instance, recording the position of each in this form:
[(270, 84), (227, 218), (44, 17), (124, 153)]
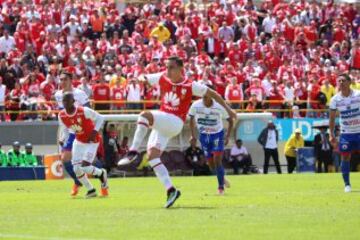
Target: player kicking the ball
[(347, 102), (176, 95), (208, 115), (85, 123)]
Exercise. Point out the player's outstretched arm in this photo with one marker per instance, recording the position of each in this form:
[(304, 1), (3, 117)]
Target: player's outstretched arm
[(151, 79), (214, 95), (229, 130)]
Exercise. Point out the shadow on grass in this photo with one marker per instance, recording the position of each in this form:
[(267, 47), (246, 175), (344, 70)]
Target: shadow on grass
[(193, 207)]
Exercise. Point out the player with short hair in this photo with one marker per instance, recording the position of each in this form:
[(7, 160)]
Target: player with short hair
[(347, 102), (81, 99), (85, 123), (176, 94), (208, 116)]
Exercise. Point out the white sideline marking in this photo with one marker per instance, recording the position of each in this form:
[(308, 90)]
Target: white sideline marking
[(20, 236)]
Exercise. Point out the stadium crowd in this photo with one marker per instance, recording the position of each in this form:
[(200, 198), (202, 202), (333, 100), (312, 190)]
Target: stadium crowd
[(276, 55)]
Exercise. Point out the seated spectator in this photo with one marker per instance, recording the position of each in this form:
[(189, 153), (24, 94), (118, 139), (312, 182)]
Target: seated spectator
[(295, 142), (240, 158), (195, 157), (14, 156), (3, 158), (29, 159), (124, 148)]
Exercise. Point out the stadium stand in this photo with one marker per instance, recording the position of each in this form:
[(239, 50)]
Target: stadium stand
[(283, 52)]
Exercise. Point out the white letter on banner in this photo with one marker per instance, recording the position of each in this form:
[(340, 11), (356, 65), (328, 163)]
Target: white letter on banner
[(248, 127), (305, 125)]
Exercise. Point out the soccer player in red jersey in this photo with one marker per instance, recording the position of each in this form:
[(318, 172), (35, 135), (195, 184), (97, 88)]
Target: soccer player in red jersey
[(86, 123), (176, 94)]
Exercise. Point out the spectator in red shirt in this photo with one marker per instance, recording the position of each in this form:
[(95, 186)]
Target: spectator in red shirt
[(257, 90), (234, 92), (47, 87), (101, 92), (118, 93)]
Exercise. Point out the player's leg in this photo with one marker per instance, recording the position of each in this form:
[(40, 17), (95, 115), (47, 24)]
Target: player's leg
[(86, 164), (206, 142), (345, 170), (78, 154), (345, 147), (66, 159), (165, 127), (145, 120), (217, 150), (159, 168)]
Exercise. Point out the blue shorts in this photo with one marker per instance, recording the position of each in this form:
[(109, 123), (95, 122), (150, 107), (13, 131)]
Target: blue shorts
[(212, 143), (349, 142), (69, 143)]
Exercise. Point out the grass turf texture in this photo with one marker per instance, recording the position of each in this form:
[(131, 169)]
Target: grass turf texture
[(303, 206)]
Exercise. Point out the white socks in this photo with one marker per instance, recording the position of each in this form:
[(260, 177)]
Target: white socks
[(80, 174), (92, 170), (161, 172), (140, 133), (85, 182)]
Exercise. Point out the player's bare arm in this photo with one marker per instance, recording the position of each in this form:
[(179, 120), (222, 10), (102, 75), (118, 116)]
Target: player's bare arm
[(332, 126), (229, 130), (192, 128)]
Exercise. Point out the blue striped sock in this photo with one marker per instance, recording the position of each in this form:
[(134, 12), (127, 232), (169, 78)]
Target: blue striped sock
[(220, 173), (345, 169)]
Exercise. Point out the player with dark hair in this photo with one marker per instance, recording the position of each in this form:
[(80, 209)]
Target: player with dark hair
[(176, 94), (347, 102)]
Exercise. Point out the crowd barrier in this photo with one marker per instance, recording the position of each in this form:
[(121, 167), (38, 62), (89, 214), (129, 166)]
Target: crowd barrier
[(22, 173), (144, 106)]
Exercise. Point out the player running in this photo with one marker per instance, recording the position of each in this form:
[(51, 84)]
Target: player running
[(208, 116), (81, 99), (85, 123), (176, 95), (347, 102)]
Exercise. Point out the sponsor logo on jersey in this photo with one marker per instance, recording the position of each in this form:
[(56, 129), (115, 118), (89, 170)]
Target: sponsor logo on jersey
[(207, 121), (350, 113), (171, 99)]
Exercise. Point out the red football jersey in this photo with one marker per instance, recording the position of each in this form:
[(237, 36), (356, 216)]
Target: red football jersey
[(176, 97), (81, 123)]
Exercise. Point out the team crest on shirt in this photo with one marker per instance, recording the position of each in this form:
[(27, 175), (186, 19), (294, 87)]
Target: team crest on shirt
[(183, 91)]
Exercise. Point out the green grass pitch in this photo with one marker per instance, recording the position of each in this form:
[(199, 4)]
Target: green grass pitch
[(299, 206)]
